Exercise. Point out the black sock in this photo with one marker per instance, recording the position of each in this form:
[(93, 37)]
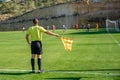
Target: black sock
[(39, 64), (32, 64)]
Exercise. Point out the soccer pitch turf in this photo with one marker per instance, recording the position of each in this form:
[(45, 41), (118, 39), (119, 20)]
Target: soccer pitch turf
[(94, 56)]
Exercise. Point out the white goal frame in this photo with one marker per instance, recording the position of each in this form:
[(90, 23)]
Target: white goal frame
[(115, 22)]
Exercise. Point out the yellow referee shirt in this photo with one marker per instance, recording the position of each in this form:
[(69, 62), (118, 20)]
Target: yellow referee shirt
[(35, 33)]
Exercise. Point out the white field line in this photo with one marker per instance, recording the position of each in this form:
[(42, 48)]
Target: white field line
[(115, 40), (87, 72), (66, 72), (14, 70)]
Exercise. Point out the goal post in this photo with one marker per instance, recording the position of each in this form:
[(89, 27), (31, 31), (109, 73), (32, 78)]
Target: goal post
[(112, 25)]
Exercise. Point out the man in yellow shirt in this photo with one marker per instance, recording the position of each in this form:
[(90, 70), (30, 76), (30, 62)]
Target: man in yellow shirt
[(34, 38), (97, 26)]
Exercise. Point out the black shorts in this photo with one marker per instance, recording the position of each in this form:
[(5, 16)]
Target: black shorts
[(36, 47)]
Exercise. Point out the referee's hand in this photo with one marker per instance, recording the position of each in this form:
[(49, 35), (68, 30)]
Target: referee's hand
[(29, 43)]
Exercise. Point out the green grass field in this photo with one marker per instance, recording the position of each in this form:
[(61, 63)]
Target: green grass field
[(94, 56)]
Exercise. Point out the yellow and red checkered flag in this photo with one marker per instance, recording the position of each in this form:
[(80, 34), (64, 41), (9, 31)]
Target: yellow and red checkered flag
[(67, 42)]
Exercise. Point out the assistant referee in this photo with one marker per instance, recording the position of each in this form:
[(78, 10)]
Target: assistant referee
[(34, 39)]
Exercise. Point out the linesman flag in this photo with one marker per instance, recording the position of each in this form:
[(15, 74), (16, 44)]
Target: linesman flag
[(67, 42)]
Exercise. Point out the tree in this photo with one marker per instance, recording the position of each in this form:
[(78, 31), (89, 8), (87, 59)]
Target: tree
[(29, 5), (10, 7), (21, 6)]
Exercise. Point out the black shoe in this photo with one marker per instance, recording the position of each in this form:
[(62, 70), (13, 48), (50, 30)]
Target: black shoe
[(33, 71)]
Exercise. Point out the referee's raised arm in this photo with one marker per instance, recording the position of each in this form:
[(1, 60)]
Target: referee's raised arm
[(51, 33)]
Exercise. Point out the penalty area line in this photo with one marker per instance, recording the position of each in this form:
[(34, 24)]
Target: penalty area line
[(15, 70), (87, 72), (115, 40), (66, 72)]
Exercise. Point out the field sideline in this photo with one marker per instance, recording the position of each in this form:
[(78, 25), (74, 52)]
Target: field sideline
[(94, 56)]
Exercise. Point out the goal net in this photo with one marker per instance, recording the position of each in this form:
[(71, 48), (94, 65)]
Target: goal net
[(112, 25)]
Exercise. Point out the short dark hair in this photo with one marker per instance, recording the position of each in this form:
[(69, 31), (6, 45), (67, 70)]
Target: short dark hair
[(35, 21)]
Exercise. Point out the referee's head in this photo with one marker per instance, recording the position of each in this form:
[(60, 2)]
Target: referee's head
[(35, 21)]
